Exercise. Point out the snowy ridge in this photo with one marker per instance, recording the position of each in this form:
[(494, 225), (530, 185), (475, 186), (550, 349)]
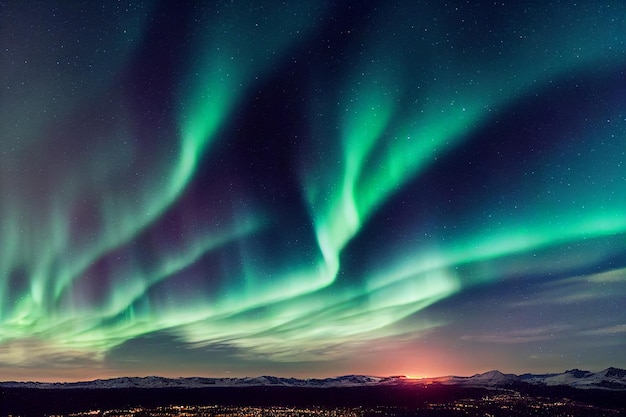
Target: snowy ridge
[(610, 378), (200, 382), (487, 379)]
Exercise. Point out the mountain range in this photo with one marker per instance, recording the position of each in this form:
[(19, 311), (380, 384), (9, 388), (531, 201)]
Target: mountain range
[(608, 379)]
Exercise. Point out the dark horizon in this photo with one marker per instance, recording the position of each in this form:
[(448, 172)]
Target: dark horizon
[(387, 401)]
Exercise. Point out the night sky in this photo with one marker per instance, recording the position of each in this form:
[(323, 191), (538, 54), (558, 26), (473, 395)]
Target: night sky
[(311, 188)]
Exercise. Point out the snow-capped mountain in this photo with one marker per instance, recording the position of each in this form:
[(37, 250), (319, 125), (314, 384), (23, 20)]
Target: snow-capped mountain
[(610, 378), (199, 382), (487, 379)]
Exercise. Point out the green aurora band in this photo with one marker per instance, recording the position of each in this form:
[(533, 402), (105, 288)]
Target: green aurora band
[(377, 123)]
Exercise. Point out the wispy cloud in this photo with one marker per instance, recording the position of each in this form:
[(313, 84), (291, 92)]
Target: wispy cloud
[(578, 289), (33, 353), (618, 329), (527, 335)]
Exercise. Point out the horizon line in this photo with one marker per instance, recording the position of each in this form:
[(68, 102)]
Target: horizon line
[(398, 376)]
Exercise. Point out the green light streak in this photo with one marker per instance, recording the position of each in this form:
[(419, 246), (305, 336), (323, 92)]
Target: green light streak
[(399, 110), (53, 263), (378, 158), (301, 327)]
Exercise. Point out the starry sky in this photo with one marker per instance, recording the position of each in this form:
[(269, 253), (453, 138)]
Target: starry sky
[(311, 188)]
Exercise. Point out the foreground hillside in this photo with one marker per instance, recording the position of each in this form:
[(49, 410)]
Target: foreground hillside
[(41, 402)]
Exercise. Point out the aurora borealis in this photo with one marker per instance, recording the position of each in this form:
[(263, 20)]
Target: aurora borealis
[(311, 188)]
